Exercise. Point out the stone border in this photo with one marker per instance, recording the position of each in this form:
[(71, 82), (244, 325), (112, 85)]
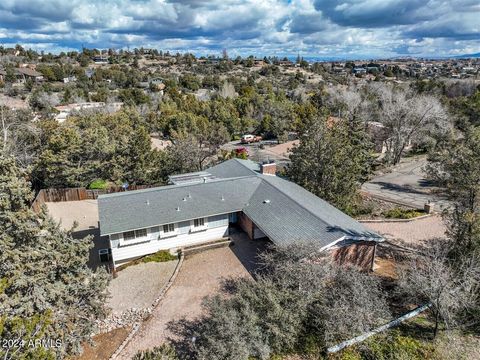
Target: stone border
[(136, 325), (395, 220), (389, 200)]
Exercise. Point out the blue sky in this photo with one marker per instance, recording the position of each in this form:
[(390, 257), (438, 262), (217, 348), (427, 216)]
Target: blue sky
[(319, 28)]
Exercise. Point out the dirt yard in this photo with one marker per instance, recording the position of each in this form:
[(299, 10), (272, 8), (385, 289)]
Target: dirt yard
[(104, 345), (201, 275), (84, 212)]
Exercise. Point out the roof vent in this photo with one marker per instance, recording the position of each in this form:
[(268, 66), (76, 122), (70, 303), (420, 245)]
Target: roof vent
[(177, 208), (189, 196), (223, 198), (184, 199), (266, 201), (147, 202)]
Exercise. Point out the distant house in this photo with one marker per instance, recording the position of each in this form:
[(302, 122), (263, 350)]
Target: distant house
[(100, 59), (203, 207), (64, 111), (286, 63), (156, 85), (23, 74), (69, 79), (378, 134), (359, 70)]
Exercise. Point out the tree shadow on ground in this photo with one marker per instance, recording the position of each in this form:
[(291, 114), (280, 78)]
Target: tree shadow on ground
[(184, 335), (398, 188)]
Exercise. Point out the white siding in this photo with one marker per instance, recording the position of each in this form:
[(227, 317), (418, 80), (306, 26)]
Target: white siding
[(217, 228)]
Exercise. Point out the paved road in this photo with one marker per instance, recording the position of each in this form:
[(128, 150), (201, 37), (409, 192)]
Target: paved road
[(257, 154), (406, 184)]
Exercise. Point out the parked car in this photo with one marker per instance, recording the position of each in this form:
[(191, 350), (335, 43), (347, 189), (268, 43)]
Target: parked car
[(247, 139)]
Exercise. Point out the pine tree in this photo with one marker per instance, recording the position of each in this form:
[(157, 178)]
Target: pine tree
[(457, 167), (45, 283), (331, 161)]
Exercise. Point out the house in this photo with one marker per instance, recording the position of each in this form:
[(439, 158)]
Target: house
[(23, 74), (69, 79), (203, 207), (64, 111), (100, 59), (359, 70)]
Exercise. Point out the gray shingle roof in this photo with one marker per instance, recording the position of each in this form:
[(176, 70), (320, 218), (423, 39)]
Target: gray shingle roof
[(234, 168), (130, 210), (284, 211), (287, 213)]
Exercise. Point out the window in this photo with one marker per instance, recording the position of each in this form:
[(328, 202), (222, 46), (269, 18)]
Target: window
[(132, 235), (129, 235), (140, 233), (168, 228), (199, 223)]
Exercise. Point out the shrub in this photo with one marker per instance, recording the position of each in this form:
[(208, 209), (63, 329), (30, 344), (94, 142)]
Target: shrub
[(159, 256), (162, 352), (98, 184), (399, 213), (294, 306)]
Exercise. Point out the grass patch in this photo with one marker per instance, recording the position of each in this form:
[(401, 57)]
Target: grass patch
[(399, 213), (98, 184), (389, 346)]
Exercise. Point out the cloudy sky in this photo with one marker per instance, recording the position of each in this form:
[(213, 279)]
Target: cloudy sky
[(345, 28)]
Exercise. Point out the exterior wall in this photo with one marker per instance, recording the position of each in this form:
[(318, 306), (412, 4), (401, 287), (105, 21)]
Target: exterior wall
[(217, 228), (246, 224), (359, 253), (249, 227)]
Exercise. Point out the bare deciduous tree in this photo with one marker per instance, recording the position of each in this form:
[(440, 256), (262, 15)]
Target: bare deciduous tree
[(227, 91), (408, 117), (450, 286), (18, 134)]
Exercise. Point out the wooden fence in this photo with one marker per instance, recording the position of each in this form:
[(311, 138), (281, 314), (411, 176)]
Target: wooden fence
[(76, 194)]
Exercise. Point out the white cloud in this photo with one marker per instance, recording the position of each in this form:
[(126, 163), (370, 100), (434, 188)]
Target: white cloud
[(314, 27)]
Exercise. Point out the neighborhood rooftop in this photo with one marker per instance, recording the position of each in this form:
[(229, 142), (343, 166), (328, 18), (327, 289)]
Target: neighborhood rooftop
[(284, 211)]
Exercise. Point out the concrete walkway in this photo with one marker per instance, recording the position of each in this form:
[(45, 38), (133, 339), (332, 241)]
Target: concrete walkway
[(201, 275), (406, 184)]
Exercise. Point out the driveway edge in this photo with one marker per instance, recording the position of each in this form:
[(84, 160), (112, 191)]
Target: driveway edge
[(395, 220)]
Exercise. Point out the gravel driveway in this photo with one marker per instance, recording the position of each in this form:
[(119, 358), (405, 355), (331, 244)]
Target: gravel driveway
[(138, 286), (201, 275)]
